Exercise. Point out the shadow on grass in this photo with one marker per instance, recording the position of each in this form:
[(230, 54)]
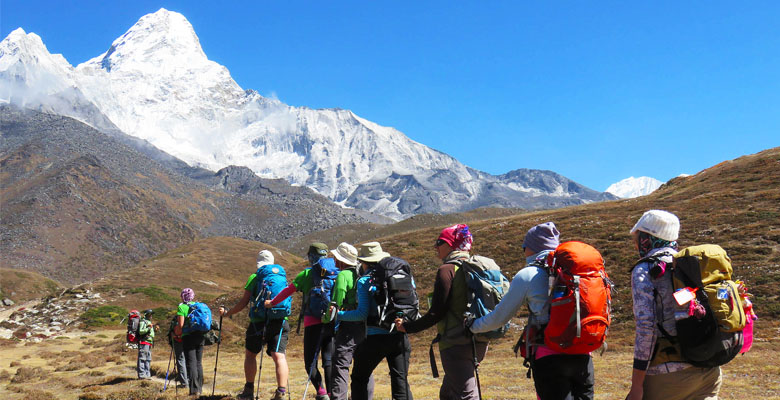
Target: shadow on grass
[(114, 381)]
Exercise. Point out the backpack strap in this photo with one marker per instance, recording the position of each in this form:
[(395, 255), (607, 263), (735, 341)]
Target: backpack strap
[(432, 356)]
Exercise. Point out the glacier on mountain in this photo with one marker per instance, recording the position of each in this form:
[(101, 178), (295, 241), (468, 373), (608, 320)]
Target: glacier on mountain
[(156, 83)]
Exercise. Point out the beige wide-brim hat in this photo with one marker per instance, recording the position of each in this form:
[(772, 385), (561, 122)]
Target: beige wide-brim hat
[(372, 252), (346, 253)]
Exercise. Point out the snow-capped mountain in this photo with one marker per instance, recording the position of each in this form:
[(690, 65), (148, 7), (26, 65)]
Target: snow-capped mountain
[(155, 83), (634, 187)]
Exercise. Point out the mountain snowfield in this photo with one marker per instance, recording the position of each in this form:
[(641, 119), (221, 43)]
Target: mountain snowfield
[(634, 187), (156, 83)]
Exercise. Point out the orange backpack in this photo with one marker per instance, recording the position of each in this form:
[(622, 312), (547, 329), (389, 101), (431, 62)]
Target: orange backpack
[(581, 299)]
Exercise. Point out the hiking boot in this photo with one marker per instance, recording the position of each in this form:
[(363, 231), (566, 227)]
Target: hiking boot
[(247, 393), (278, 395)]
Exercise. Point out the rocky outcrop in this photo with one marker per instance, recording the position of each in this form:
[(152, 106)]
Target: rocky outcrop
[(51, 317)]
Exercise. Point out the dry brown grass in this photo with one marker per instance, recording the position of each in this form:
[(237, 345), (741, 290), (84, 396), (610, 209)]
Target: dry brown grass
[(501, 374)]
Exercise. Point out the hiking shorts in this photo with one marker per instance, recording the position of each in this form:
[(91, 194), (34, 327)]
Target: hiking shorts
[(273, 334)]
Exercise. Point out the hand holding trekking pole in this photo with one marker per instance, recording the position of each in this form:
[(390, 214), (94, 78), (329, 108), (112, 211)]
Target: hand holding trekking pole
[(468, 320), (398, 323), (268, 304)]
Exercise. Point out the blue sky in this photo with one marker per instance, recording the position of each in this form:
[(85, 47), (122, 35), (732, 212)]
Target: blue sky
[(596, 91)]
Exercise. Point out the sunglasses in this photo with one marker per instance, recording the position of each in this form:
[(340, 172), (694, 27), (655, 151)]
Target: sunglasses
[(439, 242)]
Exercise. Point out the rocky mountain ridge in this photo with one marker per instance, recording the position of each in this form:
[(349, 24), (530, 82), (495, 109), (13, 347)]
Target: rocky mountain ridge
[(76, 203)]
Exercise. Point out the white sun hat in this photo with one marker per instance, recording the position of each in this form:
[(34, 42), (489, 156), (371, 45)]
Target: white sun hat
[(659, 223), (264, 257)]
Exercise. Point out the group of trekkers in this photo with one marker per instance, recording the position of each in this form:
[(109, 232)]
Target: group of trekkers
[(360, 305)]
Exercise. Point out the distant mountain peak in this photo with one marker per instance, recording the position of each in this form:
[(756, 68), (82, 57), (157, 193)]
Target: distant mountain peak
[(163, 38), (634, 187)]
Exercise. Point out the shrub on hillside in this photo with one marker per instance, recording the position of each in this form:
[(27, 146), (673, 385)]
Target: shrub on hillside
[(103, 316), (27, 374), (34, 394), (155, 293)]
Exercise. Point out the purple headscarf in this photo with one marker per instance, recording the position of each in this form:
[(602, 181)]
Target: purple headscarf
[(187, 295)]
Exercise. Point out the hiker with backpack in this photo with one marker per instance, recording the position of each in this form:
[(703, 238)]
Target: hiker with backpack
[(660, 370), (145, 342), (316, 284), (447, 307), (384, 292), (556, 375), (349, 334), (193, 321), (267, 327)]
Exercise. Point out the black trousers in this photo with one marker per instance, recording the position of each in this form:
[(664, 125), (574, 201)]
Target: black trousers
[(564, 377), (314, 337), (393, 347), (193, 356)]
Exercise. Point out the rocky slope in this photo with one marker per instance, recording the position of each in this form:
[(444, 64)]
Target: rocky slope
[(76, 203)]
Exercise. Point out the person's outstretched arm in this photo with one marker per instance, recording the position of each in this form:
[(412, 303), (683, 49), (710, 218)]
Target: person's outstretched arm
[(511, 303), (238, 307)]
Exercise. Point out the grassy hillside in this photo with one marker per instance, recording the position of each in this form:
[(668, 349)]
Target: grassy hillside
[(212, 267), (20, 285), (735, 204)]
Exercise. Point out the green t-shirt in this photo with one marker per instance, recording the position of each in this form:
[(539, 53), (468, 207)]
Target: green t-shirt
[(183, 310), (344, 291), (304, 281)]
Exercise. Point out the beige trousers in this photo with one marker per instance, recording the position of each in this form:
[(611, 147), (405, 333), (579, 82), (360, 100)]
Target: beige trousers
[(689, 384)]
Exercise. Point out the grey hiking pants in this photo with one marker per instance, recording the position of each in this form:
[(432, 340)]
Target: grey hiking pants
[(193, 353), (458, 363), (144, 361), (349, 335), (181, 363)]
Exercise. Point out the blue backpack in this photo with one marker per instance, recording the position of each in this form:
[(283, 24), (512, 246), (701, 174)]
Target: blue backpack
[(485, 286), (198, 319), (324, 274), (271, 279)]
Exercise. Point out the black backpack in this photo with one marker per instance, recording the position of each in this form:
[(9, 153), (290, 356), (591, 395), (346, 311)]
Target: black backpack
[(395, 294)]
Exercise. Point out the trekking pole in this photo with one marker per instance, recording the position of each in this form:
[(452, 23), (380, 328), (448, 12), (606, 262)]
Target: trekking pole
[(176, 372), (216, 361), (475, 360), (170, 357), (260, 367)]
